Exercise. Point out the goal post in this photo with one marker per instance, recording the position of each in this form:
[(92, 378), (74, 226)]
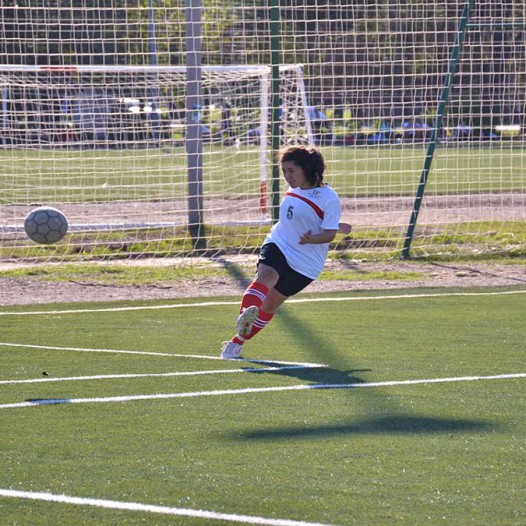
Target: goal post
[(193, 136), (437, 125)]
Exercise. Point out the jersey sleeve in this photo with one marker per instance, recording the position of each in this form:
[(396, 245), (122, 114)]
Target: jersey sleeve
[(332, 214)]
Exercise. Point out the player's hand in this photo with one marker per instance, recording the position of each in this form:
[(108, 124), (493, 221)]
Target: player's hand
[(344, 228), (304, 238)]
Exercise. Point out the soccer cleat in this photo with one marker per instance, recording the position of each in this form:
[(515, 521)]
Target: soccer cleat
[(246, 319), (231, 351)]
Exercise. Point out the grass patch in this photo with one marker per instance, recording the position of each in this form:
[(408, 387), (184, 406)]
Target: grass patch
[(138, 274), (115, 274), (115, 175), (426, 453), (375, 275)]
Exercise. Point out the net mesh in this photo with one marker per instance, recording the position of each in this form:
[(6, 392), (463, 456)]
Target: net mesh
[(108, 146)]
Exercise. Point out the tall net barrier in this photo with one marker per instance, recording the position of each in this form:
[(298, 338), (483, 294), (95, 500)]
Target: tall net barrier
[(414, 105)]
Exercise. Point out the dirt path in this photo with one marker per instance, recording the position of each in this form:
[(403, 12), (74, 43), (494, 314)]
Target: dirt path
[(33, 291)]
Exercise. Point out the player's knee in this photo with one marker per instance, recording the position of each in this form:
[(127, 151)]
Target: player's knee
[(267, 275)]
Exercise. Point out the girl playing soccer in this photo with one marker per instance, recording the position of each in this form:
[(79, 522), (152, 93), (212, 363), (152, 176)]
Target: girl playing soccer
[(295, 250)]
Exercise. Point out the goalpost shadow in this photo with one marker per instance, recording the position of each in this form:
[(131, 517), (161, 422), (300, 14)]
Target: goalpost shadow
[(387, 425)]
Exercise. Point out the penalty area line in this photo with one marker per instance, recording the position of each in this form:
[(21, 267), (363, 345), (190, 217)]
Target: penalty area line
[(252, 390), (158, 375), (152, 508), (151, 353), (229, 303)]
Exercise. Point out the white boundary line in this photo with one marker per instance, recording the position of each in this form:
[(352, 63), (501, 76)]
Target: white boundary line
[(122, 309), (152, 508), (224, 392), (153, 375), (151, 353), (297, 300), (116, 351)]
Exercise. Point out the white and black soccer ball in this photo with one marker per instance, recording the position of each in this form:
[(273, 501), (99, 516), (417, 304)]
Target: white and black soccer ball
[(46, 225)]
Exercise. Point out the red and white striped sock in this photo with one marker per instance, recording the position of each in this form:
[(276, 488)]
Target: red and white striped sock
[(260, 323), (254, 294)]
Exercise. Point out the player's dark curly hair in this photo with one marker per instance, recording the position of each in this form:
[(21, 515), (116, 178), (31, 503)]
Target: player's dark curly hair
[(308, 158)]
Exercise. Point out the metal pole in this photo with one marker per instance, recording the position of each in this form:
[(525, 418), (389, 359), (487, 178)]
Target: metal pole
[(194, 143), (304, 103), (151, 34), (455, 54), (154, 91), (5, 108), (263, 143), (275, 52)]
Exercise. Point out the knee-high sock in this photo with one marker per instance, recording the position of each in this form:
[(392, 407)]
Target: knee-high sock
[(254, 294), (260, 323)]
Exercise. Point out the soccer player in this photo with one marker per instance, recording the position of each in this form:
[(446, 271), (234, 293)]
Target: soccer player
[(295, 250)]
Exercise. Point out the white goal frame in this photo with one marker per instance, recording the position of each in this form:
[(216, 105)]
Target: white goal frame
[(300, 109)]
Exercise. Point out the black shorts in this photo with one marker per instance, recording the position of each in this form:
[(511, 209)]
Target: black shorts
[(290, 282)]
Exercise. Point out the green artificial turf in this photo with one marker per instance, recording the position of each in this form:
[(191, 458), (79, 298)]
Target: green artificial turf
[(323, 446)]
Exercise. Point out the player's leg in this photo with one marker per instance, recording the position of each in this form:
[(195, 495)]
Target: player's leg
[(249, 313), (254, 296), (289, 283), (257, 290), (265, 313), (271, 265)]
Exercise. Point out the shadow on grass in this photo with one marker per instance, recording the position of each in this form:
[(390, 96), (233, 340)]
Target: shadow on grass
[(395, 425), (237, 273), (309, 336), (48, 401), (315, 375)]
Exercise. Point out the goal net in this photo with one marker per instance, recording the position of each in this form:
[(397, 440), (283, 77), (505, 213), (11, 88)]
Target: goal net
[(106, 145)]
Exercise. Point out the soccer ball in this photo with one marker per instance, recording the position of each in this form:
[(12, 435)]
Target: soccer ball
[(46, 225)]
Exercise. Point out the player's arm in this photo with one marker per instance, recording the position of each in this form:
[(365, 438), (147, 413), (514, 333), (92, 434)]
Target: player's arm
[(325, 236)]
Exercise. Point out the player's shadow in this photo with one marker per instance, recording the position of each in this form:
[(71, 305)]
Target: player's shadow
[(392, 425), (309, 336), (317, 375)]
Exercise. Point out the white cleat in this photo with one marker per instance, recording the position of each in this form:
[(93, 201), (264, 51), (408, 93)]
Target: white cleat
[(231, 351), (246, 319)]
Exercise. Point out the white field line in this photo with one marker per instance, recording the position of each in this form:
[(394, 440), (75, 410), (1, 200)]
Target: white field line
[(156, 375), (237, 392), (223, 303), (152, 508), (149, 353)]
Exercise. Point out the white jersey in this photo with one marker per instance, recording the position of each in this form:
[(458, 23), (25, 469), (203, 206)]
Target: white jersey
[(315, 209)]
